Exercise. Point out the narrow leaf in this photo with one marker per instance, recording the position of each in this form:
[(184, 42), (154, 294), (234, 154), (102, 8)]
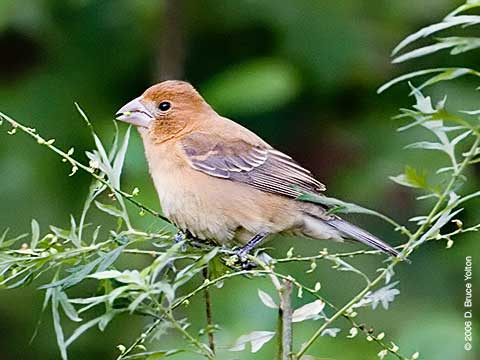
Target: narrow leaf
[(35, 234), (256, 338), (58, 326), (109, 209), (308, 311), (81, 329), (119, 159), (267, 300), (431, 29), (421, 52)]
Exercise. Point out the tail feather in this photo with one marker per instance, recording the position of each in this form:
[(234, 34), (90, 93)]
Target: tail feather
[(354, 232)]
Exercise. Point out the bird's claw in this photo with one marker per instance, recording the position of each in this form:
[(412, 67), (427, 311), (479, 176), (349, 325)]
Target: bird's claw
[(179, 237), (248, 265), (242, 259)]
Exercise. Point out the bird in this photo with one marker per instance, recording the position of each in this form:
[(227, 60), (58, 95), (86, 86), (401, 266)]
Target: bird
[(218, 181)]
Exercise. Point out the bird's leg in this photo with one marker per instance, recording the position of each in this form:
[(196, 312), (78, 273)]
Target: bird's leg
[(178, 237), (192, 240), (249, 246), (181, 236)]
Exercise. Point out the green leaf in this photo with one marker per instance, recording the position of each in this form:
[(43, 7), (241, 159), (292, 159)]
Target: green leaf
[(35, 234), (109, 209), (138, 300), (267, 299), (7, 243), (107, 317), (154, 355), (73, 232), (163, 260), (103, 159), (109, 258), (83, 115), (460, 137), (115, 293), (166, 288), (67, 307), (71, 280), (57, 324), (332, 332), (81, 329), (448, 74), (189, 271), (461, 44), (4, 236), (22, 282), (126, 276), (69, 235), (431, 29), (408, 76), (60, 233), (113, 149), (216, 269), (469, 4), (411, 178), (427, 145), (308, 311), (445, 75), (119, 160), (256, 339), (384, 296), (424, 103), (430, 49), (109, 274)]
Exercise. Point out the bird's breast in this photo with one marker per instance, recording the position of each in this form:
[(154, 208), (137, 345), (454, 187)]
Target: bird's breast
[(190, 199)]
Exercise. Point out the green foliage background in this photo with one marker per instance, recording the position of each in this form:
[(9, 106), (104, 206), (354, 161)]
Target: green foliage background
[(302, 74)]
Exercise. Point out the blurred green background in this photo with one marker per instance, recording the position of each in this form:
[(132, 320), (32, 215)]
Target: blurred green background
[(302, 74)]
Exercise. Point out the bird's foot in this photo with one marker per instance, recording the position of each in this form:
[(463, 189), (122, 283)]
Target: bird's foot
[(193, 241), (242, 259), (179, 237), (242, 253)]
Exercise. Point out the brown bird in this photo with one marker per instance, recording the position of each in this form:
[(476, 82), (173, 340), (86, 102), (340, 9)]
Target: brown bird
[(219, 181)]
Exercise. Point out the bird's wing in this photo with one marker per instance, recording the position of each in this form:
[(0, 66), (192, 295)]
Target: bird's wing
[(257, 165)]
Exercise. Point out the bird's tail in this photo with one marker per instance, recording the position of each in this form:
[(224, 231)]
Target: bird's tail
[(337, 229), (354, 232)]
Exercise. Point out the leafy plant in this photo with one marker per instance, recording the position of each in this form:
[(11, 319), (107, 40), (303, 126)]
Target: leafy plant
[(58, 260)]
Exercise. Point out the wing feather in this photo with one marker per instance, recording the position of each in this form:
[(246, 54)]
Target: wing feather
[(259, 166)]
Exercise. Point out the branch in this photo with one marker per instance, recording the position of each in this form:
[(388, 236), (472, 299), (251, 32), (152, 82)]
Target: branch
[(208, 312), (285, 321)]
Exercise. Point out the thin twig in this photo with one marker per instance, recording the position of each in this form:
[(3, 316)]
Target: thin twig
[(201, 347), (285, 321), (208, 312)]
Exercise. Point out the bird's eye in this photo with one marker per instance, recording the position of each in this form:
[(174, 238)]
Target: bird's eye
[(164, 105)]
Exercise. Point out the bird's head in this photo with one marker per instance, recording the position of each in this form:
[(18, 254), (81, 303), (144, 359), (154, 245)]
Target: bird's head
[(165, 109)]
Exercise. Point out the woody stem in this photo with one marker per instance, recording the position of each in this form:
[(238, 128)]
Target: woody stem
[(208, 313)]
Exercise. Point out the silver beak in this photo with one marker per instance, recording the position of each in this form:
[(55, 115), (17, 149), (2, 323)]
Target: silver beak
[(135, 113)]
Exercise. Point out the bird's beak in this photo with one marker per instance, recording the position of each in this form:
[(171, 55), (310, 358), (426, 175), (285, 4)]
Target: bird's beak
[(135, 113)]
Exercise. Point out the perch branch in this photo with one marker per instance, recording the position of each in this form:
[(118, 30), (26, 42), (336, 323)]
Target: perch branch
[(208, 313), (285, 321)]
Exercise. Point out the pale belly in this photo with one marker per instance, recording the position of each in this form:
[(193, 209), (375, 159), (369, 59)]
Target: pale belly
[(219, 209), (194, 209)]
